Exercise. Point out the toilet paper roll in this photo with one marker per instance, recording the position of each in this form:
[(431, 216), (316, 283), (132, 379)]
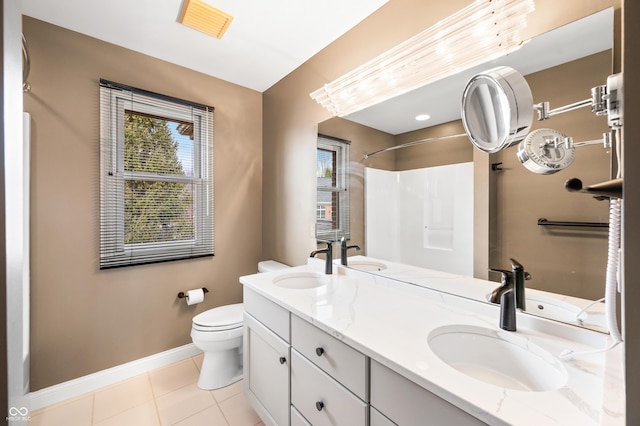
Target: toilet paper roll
[(195, 296)]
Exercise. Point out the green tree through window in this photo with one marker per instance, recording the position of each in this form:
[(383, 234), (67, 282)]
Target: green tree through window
[(155, 210)]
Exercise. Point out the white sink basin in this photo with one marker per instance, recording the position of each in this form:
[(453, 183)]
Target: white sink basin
[(551, 308), (555, 309), (367, 265), (300, 280), (497, 357)]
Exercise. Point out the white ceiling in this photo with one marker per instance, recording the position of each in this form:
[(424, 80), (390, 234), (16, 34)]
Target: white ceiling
[(266, 40)]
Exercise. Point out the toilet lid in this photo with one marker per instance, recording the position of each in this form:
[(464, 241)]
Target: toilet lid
[(222, 316)]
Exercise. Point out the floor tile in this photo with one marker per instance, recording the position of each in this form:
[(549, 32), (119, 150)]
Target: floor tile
[(76, 412), (238, 412), (198, 360), (154, 399), (120, 397), (228, 391), (183, 403), (212, 416), (175, 376), (142, 415)]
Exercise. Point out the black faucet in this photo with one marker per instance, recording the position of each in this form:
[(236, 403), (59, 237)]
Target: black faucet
[(328, 251), (508, 311), (343, 250), (519, 277), (506, 284), (505, 296), (510, 294)]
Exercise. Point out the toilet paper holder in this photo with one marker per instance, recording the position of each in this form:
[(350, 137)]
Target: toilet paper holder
[(182, 294)]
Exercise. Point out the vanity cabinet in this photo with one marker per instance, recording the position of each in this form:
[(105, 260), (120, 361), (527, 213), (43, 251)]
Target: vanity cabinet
[(266, 357), (297, 374), (403, 402)]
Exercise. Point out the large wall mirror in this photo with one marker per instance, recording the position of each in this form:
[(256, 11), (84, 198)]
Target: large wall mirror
[(561, 67)]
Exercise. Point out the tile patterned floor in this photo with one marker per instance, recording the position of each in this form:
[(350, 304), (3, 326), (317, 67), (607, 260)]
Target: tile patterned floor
[(162, 397)]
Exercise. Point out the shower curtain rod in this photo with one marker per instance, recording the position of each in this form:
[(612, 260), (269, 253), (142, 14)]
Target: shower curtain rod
[(404, 145)]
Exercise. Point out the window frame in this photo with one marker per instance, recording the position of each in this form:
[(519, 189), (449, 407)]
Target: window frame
[(340, 189), (114, 177)]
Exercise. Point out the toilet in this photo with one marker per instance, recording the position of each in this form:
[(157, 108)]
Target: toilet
[(218, 333)]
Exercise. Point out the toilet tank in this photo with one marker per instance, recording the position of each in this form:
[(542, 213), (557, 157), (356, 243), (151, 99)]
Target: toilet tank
[(271, 266)]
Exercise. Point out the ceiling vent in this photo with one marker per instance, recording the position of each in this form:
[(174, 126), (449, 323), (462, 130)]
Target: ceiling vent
[(203, 17)]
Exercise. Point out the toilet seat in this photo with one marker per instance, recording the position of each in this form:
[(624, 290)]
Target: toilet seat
[(219, 319)]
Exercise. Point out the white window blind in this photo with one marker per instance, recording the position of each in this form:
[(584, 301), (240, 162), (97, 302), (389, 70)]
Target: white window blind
[(156, 177), (332, 209)]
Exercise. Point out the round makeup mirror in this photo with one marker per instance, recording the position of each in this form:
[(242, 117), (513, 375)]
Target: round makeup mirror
[(497, 109)]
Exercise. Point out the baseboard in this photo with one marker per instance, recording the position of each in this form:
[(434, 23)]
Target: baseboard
[(81, 385)]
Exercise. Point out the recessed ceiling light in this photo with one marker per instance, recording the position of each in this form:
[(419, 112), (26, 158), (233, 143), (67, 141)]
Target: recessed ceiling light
[(423, 117), (203, 17)]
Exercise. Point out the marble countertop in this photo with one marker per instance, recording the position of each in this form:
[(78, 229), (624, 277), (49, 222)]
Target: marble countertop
[(593, 317), (390, 321)]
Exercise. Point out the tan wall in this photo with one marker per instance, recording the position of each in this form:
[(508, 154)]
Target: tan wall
[(437, 153), (84, 319), (631, 69)]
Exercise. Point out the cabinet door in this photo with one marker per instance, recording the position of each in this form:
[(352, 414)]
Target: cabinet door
[(408, 404), (266, 372)]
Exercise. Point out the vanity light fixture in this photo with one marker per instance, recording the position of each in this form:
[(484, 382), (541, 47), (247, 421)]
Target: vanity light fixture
[(205, 18), (484, 30)]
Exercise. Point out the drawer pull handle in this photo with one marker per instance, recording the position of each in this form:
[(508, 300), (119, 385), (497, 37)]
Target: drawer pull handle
[(319, 405), (282, 360), (319, 351)]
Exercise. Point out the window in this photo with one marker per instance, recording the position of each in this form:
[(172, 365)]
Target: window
[(156, 177), (332, 209)]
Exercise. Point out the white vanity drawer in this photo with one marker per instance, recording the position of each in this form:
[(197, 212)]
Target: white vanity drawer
[(297, 419), (407, 404), (275, 317), (343, 363), (322, 400)]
